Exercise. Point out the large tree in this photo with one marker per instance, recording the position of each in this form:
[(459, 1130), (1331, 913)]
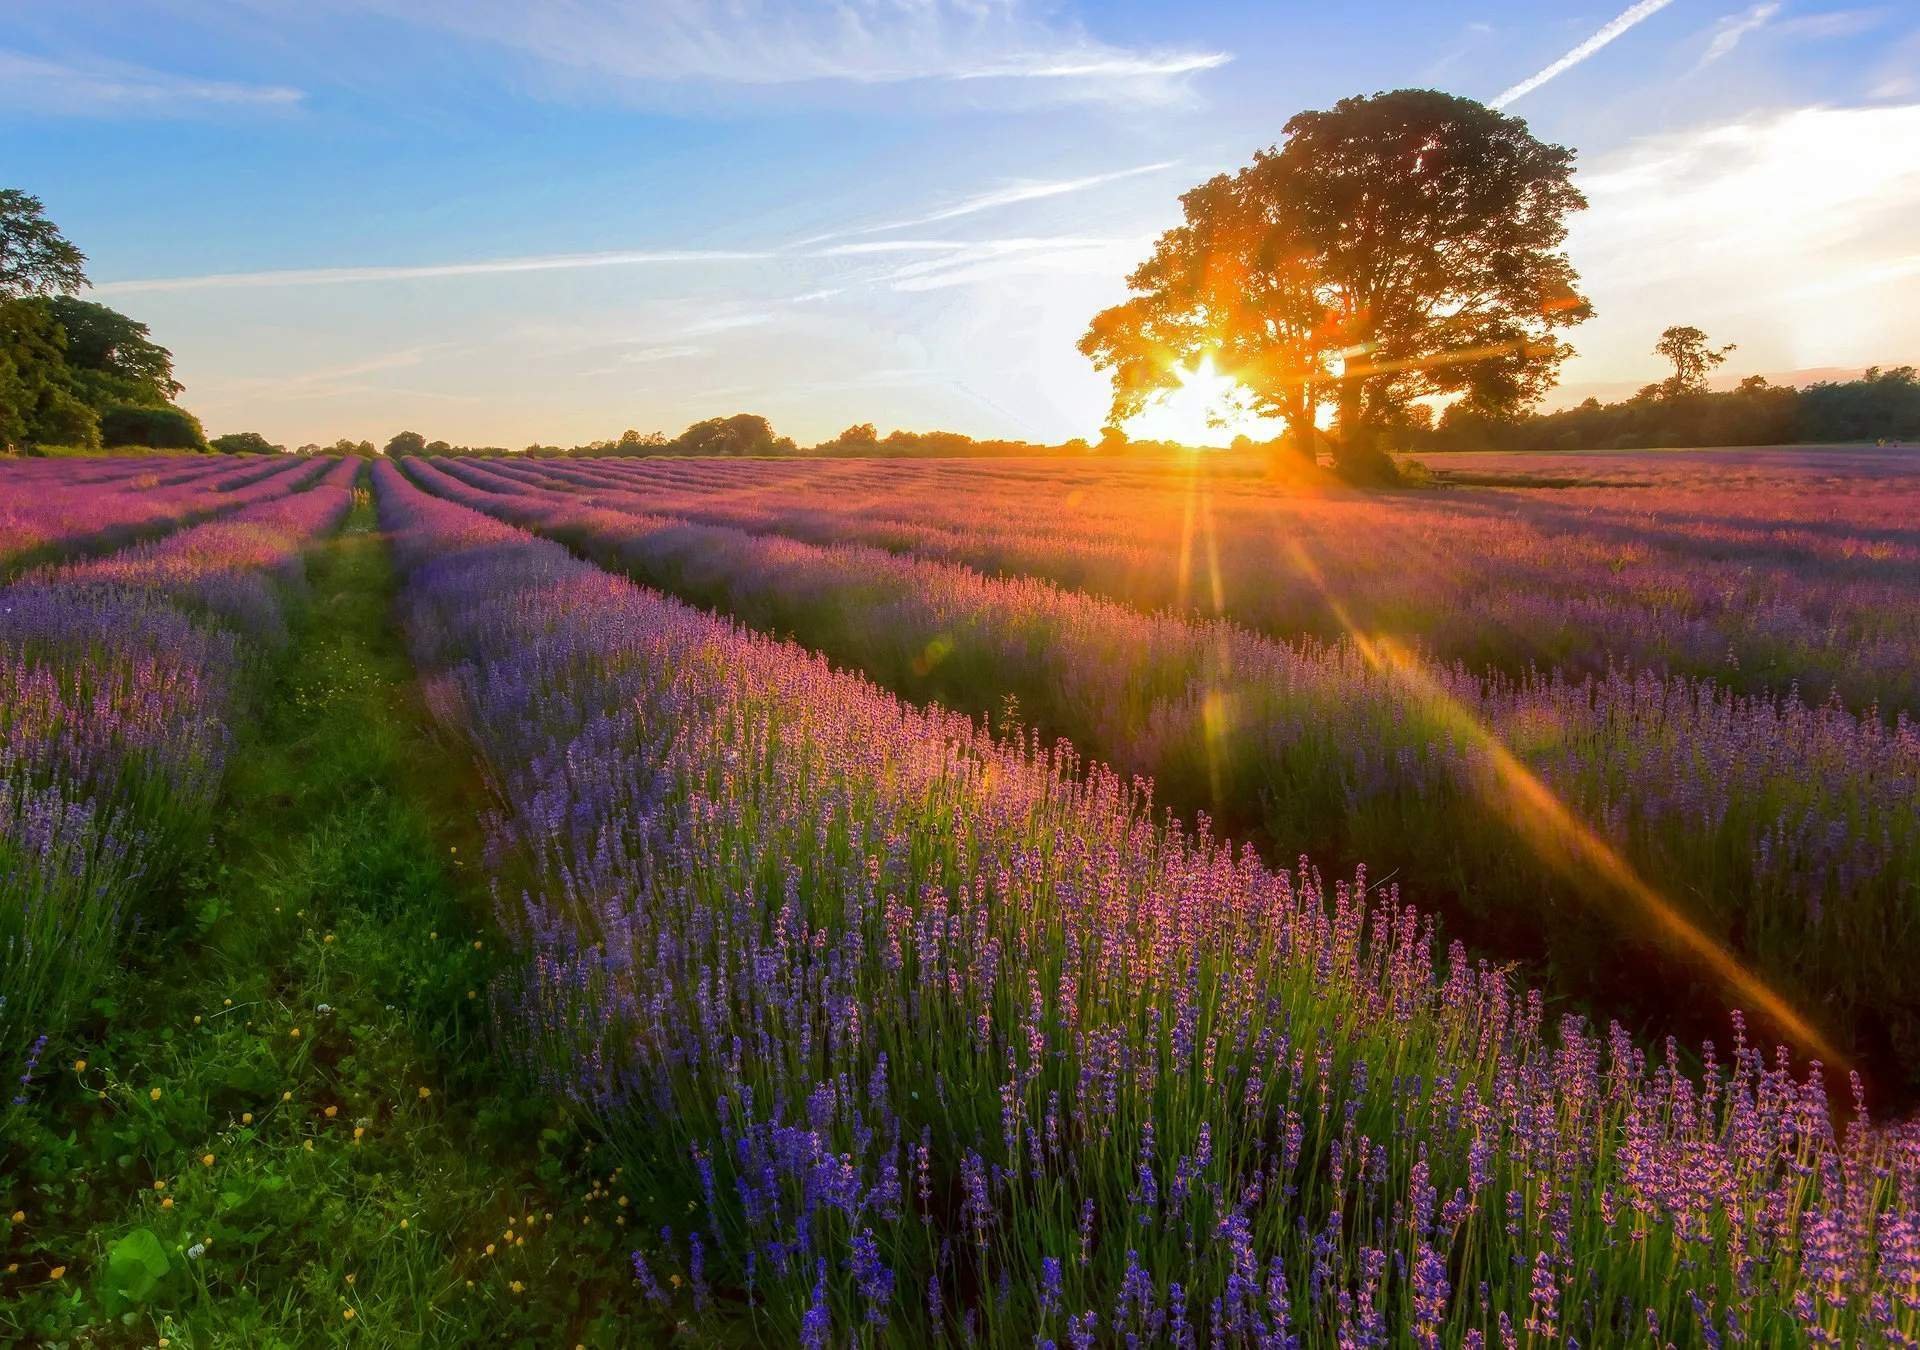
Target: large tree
[(38, 404), (1397, 247), (114, 359), (35, 258), (740, 434)]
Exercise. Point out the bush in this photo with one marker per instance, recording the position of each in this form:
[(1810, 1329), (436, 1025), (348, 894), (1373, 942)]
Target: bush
[(246, 443), (166, 428)]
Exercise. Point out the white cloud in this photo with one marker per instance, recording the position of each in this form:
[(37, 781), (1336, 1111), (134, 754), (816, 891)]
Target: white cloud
[(786, 42), (1040, 67), (1791, 234), (648, 355), (334, 276), (96, 88), (1728, 32), (1619, 24)]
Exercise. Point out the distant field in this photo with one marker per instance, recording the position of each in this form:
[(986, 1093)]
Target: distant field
[(1059, 899)]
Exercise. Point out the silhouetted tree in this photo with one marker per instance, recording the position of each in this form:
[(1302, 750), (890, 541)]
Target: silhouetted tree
[(1395, 247), (1686, 346), (35, 258), (406, 443), (741, 434), (159, 428), (246, 443)]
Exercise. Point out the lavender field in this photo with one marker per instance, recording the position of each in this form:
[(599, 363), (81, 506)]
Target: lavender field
[(1125, 922), (976, 674)]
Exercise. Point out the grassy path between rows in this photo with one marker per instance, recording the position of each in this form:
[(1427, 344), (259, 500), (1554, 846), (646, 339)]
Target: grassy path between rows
[(284, 1124)]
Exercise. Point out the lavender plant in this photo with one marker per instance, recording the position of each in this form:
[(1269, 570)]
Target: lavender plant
[(903, 1032)]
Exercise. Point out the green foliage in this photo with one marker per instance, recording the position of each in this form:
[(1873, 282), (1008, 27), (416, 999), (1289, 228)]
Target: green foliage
[(69, 366), (135, 1266), (406, 443), (246, 443), (1880, 405), (159, 428), (38, 403), (112, 356), (197, 1171), (740, 434), (35, 258)]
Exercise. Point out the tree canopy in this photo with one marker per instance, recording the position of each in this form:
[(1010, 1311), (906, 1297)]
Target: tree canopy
[(1396, 247), (1692, 356), (740, 434), (246, 443), (73, 372), (161, 428), (113, 357), (35, 258)]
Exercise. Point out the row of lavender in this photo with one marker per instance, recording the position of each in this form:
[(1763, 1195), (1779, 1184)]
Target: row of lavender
[(1762, 579), (901, 1032), (53, 510), (1786, 835), (121, 679)]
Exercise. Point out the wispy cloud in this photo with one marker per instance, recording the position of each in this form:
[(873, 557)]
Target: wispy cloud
[(335, 276), (789, 42), (100, 88), (646, 356), (1620, 23), (995, 259), (1013, 194), (969, 250), (1117, 67), (1728, 32)]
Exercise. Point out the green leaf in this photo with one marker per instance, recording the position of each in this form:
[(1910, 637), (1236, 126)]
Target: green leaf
[(135, 1266)]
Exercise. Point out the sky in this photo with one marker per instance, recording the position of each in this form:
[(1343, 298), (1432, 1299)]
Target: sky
[(508, 221)]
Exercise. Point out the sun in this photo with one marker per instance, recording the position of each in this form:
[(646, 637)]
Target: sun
[(1206, 408)]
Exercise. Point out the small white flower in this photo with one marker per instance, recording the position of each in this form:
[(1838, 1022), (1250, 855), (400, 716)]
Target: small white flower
[(196, 1251)]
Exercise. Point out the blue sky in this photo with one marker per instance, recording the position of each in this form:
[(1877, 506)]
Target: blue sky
[(497, 222)]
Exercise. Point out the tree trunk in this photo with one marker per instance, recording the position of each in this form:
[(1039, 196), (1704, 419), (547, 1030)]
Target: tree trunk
[(1357, 455)]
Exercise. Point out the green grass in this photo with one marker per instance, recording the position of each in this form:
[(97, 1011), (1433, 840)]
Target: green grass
[(283, 1124)]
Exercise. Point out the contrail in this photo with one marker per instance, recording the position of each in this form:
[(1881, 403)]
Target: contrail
[(1626, 19), (329, 276)]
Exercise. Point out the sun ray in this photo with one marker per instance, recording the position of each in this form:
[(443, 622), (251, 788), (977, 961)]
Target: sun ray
[(1564, 841)]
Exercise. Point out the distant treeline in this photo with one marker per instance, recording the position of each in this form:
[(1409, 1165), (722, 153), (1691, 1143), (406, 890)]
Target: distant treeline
[(1881, 405), (749, 434)]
